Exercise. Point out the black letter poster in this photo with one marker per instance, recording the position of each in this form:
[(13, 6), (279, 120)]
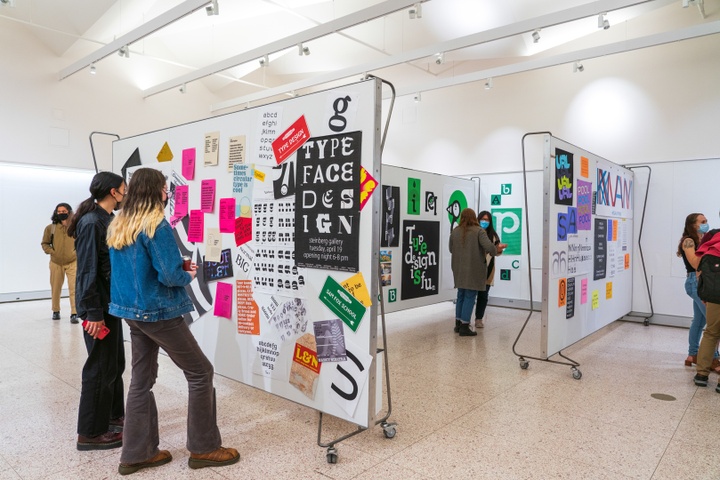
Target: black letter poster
[(600, 253), (390, 216), (327, 202), (563, 177), (421, 242)]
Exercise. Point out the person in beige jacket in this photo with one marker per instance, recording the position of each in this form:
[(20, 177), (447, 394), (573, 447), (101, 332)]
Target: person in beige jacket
[(63, 262)]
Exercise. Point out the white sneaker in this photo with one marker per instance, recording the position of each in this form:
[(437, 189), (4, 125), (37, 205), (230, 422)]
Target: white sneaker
[(479, 323)]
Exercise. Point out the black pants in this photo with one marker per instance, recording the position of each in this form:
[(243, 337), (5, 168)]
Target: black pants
[(482, 299), (101, 396)]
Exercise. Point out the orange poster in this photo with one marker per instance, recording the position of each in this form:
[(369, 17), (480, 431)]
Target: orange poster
[(248, 315)]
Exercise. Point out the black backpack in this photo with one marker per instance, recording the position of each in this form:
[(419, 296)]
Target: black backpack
[(708, 288)]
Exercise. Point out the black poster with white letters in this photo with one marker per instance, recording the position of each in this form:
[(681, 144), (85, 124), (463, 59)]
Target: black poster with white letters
[(327, 202)]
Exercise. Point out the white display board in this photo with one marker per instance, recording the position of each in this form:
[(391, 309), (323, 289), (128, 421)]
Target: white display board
[(275, 205), (418, 212), (588, 244), (503, 195)]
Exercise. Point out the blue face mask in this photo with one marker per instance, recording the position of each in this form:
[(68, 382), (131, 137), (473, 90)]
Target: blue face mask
[(704, 227), (484, 224)]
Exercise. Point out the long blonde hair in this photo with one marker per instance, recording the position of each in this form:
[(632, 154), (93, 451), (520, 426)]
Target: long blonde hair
[(142, 209)]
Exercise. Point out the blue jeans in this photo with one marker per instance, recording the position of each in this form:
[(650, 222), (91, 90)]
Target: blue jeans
[(698, 321), (464, 305)]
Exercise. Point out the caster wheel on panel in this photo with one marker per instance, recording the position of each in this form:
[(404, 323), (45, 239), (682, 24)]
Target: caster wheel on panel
[(577, 374), (332, 456), (524, 364)]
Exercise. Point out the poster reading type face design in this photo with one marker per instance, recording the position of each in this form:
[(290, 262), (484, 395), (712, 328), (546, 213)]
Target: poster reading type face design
[(327, 202), (600, 243), (563, 177), (390, 216), (421, 243)]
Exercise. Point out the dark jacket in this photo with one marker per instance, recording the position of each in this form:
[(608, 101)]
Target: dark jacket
[(468, 257), (92, 285)]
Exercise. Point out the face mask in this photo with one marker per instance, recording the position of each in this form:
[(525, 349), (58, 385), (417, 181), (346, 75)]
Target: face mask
[(165, 203), (62, 216), (484, 224), (704, 227), (119, 204)]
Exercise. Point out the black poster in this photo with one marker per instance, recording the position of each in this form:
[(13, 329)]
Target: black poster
[(420, 254), (563, 177), (570, 298), (390, 216), (327, 202), (218, 270), (600, 253)]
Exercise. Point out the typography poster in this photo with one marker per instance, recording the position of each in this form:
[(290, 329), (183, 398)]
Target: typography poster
[(563, 177), (390, 216), (327, 202), (420, 254), (600, 255)]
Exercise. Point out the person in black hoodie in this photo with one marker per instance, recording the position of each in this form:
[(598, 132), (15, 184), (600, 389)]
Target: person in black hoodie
[(101, 410)]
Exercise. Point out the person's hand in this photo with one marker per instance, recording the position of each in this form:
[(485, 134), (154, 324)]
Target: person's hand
[(192, 272), (93, 328), (501, 247)]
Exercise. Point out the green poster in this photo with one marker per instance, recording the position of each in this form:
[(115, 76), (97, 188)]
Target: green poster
[(342, 304), (508, 225), (413, 196)]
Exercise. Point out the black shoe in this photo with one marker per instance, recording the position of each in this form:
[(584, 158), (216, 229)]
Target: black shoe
[(56, 316), (717, 389), (700, 380), (457, 326), (105, 441), (73, 318), (465, 330)]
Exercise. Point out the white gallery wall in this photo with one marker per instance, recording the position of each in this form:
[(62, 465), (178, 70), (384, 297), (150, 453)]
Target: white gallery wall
[(652, 105)]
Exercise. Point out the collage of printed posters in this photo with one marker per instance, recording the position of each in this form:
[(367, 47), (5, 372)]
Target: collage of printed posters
[(271, 217)]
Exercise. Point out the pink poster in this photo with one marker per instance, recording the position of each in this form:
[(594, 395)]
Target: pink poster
[(181, 201), (207, 195), (243, 230), (227, 215), (223, 300), (197, 226), (583, 290), (188, 163)]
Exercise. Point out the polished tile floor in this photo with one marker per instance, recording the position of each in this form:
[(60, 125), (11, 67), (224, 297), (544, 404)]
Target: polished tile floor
[(464, 409)]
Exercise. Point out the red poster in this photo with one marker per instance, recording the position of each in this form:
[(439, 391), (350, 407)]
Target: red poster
[(290, 140), (243, 230)]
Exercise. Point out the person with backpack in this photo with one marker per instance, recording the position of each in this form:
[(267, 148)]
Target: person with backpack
[(708, 255)]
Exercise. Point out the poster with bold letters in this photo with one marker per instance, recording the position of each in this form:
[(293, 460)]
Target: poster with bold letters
[(420, 256), (390, 216), (563, 177), (327, 202)]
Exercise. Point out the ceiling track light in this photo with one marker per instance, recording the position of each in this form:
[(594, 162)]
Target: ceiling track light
[(417, 97), (415, 11), (265, 61), (93, 70), (536, 36), (303, 50), (124, 51), (488, 83), (183, 88), (578, 67), (603, 21), (440, 58), (212, 9)]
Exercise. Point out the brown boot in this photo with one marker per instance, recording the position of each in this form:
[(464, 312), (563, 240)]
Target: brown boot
[(162, 457), (217, 458), (105, 441)]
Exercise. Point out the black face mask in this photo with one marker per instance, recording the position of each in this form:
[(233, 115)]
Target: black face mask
[(165, 203), (62, 216)]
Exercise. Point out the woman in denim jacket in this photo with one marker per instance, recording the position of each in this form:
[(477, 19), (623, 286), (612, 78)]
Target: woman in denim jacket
[(148, 291)]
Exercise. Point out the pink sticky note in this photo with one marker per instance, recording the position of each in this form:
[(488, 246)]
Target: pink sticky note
[(583, 290), (175, 220), (243, 230), (197, 226), (207, 195), (227, 215), (181, 201), (188, 163), (223, 300)]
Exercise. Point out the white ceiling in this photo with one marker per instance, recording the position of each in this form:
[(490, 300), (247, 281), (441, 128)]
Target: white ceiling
[(74, 29)]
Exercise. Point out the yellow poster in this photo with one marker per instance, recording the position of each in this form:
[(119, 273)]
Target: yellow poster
[(595, 299), (356, 286), (608, 290), (165, 154), (259, 175), (562, 292)]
